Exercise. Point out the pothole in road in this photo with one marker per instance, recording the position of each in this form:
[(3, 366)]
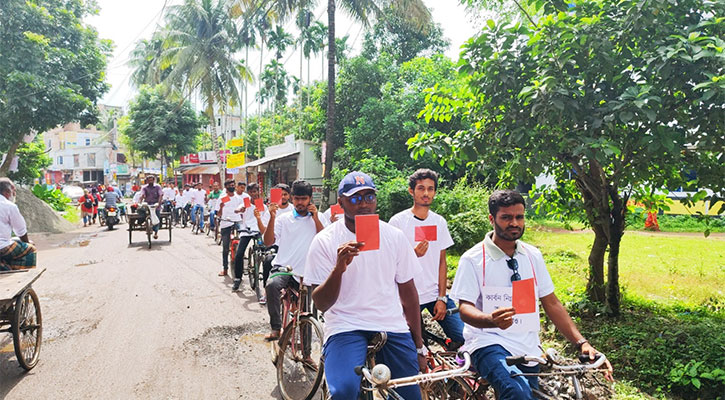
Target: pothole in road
[(79, 241), (81, 327), (224, 345)]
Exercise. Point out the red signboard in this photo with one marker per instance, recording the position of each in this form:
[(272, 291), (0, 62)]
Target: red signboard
[(193, 158)]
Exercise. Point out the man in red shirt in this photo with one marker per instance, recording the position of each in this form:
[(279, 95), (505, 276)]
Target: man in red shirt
[(86, 204)]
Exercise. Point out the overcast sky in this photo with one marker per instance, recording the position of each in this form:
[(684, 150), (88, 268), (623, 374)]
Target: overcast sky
[(128, 21)]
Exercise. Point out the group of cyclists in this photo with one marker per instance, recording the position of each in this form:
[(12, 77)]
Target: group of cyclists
[(364, 291), (384, 289)]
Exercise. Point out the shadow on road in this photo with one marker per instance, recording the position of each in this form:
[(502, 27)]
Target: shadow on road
[(10, 371), (156, 245)]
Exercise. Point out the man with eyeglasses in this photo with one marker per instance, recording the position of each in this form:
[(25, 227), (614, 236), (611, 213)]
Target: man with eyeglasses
[(363, 292), (492, 266)]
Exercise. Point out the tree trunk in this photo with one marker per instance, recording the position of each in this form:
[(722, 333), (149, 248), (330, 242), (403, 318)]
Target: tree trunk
[(215, 140), (299, 90), (330, 127), (595, 285), (617, 231), (5, 167)]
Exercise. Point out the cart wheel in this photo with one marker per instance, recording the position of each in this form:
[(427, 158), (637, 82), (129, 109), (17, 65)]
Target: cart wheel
[(169, 231), (27, 329), (130, 229), (148, 231)]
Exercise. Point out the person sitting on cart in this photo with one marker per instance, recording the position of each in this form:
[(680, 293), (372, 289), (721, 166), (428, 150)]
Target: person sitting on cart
[(152, 194), (15, 252)]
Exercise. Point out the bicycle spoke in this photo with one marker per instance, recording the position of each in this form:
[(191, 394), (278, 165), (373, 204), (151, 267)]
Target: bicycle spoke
[(299, 367)]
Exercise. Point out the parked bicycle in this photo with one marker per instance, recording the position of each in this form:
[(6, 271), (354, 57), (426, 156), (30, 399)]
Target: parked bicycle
[(298, 353), (255, 259)]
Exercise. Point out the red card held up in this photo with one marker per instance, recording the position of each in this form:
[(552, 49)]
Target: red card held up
[(275, 196), (367, 230), (247, 202), (259, 205), (335, 209), (429, 233), (524, 296)]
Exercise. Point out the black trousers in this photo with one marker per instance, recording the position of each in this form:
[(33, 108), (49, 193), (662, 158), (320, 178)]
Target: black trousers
[(226, 240), (239, 256)]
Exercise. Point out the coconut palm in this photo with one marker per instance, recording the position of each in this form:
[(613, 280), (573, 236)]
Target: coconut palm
[(203, 39), (147, 61)]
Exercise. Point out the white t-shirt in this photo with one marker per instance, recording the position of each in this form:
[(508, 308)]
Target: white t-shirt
[(137, 197), (426, 281), (180, 200), (231, 203), (250, 221), (283, 211), (293, 234), (197, 197), (10, 221), (369, 298), (468, 286), (169, 193)]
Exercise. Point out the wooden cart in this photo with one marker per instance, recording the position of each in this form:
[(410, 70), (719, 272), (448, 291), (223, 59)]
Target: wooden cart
[(20, 314), (146, 226)]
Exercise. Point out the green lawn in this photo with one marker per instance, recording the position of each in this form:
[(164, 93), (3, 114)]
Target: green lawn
[(673, 309)]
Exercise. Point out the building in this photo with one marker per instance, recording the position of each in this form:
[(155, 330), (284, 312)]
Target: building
[(285, 163)]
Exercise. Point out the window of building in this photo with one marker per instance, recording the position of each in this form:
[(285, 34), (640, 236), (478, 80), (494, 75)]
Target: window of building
[(91, 159), (218, 122), (88, 142), (76, 160), (60, 160)]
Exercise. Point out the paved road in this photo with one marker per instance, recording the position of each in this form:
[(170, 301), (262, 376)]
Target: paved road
[(123, 321)]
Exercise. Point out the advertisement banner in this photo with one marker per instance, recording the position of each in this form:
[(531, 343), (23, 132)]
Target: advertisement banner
[(235, 160), (236, 142)]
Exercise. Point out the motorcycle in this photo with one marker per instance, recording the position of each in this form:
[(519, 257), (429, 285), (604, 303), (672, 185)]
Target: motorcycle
[(111, 217)]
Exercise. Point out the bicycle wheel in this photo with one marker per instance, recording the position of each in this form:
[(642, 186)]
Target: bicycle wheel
[(299, 364), (251, 265), (257, 277), (27, 329)]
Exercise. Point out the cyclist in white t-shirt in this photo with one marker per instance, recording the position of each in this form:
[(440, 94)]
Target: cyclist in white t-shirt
[(489, 270), (284, 208), (428, 233), (198, 199), (365, 292), (293, 233), (253, 223), (230, 208)]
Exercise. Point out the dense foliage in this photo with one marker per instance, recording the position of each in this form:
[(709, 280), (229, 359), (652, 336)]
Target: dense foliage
[(54, 197), (32, 159), (611, 98), (52, 69)]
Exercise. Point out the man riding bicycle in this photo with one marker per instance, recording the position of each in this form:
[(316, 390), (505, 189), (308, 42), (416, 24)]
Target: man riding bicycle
[(293, 232), (214, 197), (283, 208), (198, 199), (428, 233), (152, 195), (489, 270), (230, 209), (363, 292), (253, 222)]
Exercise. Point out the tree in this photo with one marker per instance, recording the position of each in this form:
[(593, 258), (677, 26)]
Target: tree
[(203, 41), (147, 59), (161, 128), (32, 159), (610, 98), (52, 69)]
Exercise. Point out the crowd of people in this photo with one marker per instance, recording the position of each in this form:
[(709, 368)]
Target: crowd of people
[(380, 284)]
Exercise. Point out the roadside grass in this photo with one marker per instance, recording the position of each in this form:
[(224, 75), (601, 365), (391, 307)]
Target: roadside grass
[(673, 310), (72, 214), (635, 222)]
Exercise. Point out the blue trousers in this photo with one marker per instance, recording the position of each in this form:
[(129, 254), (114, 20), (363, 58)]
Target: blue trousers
[(212, 222), (193, 215), (345, 351), (451, 324), (490, 361)]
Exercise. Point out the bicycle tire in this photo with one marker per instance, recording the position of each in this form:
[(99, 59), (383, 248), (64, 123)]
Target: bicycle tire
[(259, 260), (295, 378), (27, 329), (251, 263)]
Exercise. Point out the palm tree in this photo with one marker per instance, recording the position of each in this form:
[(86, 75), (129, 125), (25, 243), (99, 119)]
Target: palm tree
[(203, 42), (248, 38), (147, 60), (363, 11), (312, 39)]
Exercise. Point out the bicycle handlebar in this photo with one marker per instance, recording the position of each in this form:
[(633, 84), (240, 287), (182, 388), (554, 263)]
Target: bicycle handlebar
[(379, 376), (451, 311), (550, 360)]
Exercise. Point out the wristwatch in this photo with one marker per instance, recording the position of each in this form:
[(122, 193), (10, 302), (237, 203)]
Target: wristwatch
[(580, 343), (443, 298), (423, 351)]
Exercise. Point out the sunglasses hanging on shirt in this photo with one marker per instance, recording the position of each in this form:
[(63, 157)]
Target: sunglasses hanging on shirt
[(514, 266)]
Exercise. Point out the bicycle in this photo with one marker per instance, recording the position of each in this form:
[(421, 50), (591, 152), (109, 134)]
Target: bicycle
[(555, 363), (377, 377), (196, 221), (299, 356), (465, 386), (255, 259), (217, 230)]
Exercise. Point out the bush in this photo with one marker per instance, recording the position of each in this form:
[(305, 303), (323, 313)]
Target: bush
[(54, 197), (666, 350), (679, 223), (465, 208)]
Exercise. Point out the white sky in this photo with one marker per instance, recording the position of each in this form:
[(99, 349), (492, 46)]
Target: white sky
[(126, 22)]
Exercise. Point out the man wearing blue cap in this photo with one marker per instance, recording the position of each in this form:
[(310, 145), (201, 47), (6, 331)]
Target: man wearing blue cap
[(365, 292)]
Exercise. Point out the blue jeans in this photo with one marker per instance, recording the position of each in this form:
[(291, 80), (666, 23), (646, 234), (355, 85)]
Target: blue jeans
[(212, 223), (345, 351), (451, 324), (193, 215), (490, 361)]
